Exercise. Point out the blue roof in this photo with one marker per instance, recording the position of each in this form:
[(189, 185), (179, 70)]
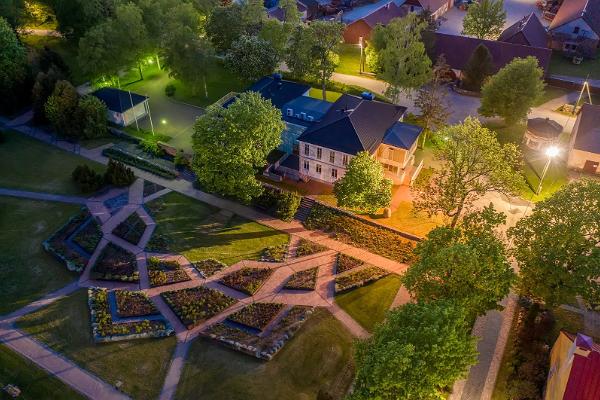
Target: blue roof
[(308, 105), (119, 100), (402, 135)]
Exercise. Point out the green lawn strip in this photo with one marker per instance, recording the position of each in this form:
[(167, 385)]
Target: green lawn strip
[(319, 357), (551, 93), (350, 60), (556, 177), (145, 135), (368, 304), (507, 133), (317, 93), (64, 326), (27, 272), (560, 65), (182, 220), (34, 382), (35, 166)]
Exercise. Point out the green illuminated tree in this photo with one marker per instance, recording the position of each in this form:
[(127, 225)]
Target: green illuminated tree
[(485, 19), (231, 144), (290, 11), (417, 353), (431, 98), (251, 57), (61, 110), (277, 34), (224, 26), (479, 67), (13, 58), (364, 186), (12, 11), (91, 115)]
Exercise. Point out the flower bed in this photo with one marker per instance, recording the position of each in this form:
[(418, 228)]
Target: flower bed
[(132, 229), (274, 253), (165, 272), (89, 236), (263, 347), (208, 267), (158, 244), (303, 280), (359, 278), (104, 329), (307, 248), (146, 164), (346, 263), (347, 229), (257, 315), (57, 244), (247, 280), (194, 305), (116, 264), (150, 188), (134, 304)]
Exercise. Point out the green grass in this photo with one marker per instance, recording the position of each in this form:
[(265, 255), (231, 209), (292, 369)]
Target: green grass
[(369, 304), (318, 357), (29, 164), (507, 133), (34, 382), (64, 326), (184, 221), (350, 60), (27, 272), (560, 65), (317, 93), (145, 135), (551, 93), (555, 179)]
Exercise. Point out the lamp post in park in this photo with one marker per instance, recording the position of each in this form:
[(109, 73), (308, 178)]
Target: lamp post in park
[(360, 44), (550, 152)]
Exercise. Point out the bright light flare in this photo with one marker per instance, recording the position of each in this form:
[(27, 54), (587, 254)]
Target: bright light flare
[(552, 151)]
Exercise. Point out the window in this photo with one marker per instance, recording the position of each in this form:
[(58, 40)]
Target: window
[(290, 112), (576, 30), (318, 168), (306, 149), (306, 165), (334, 173), (345, 159), (319, 153), (332, 157)]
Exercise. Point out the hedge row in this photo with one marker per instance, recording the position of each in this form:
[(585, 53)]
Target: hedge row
[(142, 163), (279, 203)]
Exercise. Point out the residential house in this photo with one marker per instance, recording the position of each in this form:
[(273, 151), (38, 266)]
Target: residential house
[(124, 107), (458, 51), (574, 368), (576, 28), (584, 147), (361, 24), (437, 7), (528, 31)]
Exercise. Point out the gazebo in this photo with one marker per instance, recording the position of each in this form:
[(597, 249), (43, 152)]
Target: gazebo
[(541, 133)]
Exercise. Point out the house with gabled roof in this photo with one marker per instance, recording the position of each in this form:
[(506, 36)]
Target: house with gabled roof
[(576, 28), (436, 7), (527, 31), (584, 147), (123, 107), (362, 25)]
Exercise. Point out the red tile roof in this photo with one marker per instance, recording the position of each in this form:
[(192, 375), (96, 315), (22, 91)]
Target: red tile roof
[(584, 379)]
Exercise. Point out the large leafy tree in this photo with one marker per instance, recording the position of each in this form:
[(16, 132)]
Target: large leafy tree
[(291, 15), (479, 67), (251, 57), (61, 110), (224, 26), (556, 246), (512, 92), (364, 186), (297, 56), (472, 163), (42, 89), (431, 98), (419, 351), (13, 57), (12, 11), (467, 264), (91, 115), (485, 19), (76, 17), (277, 35), (231, 144)]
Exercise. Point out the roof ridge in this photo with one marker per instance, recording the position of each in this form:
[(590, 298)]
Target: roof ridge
[(353, 127)]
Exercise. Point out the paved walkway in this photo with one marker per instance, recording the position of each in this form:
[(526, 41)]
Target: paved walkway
[(42, 196)]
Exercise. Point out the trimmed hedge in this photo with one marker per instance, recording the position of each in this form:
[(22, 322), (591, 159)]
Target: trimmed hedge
[(138, 162), (279, 203)]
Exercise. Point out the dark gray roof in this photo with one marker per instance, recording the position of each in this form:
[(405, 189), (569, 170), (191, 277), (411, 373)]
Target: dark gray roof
[(279, 91), (119, 100), (534, 33), (353, 125), (544, 127), (587, 135), (402, 135), (571, 10)]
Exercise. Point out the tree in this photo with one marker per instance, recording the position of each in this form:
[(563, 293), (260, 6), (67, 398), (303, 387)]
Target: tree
[(76, 17), (253, 15), (297, 55), (231, 144), (485, 19), (556, 246), (91, 115), (224, 26), (512, 92), (364, 186), (13, 58), (61, 109), (466, 264), (431, 98), (479, 67), (291, 15), (473, 163), (401, 59), (419, 351), (42, 89), (251, 57), (325, 39), (12, 11), (277, 35)]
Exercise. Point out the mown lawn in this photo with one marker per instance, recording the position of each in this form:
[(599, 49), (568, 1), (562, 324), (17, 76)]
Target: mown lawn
[(64, 326), (560, 65), (34, 382), (30, 164), (350, 60), (27, 272), (317, 93), (185, 221), (319, 357), (555, 179), (368, 304)]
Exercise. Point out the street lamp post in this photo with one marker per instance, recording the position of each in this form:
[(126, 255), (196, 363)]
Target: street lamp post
[(551, 152), (360, 44)]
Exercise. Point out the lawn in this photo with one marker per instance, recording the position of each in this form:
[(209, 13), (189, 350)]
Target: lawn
[(27, 272), (350, 60), (560, 65), (29, 164), (189, 225), (319, 357), (33, 381), (317, 93), (507, 133), (368, 304), (555, 179), (64, 326), (551, 93)]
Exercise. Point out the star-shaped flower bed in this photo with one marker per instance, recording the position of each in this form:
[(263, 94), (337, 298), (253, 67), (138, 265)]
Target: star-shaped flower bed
[(247, 280)]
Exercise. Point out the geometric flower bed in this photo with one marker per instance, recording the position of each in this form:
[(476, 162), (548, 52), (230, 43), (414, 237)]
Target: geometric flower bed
[(134, 304), (264, 345), (151, 188), (194, 305), (158, 244), (165, 272), (88, 236), (307, 248), (346, 263), (60, 247), (247, 280), (208, 267), (107, 326), (274, 253), (359, 278), (257, 315), (131, 229), (116, 264), (303, 280)]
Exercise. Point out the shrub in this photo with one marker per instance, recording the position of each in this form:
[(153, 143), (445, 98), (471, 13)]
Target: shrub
[(86, 179), (151, 146), (118, 174), (170, 90), (287, 205), (147, 165), (180, 160)]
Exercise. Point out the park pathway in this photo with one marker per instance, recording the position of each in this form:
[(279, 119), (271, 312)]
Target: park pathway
[(42, 196)]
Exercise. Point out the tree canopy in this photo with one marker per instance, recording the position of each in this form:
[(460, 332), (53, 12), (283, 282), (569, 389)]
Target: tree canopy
[(556, 246), (251, 57), (13, 58), (431, 98), (479, 67), (419, 350), (485, 19), (231, 144)]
